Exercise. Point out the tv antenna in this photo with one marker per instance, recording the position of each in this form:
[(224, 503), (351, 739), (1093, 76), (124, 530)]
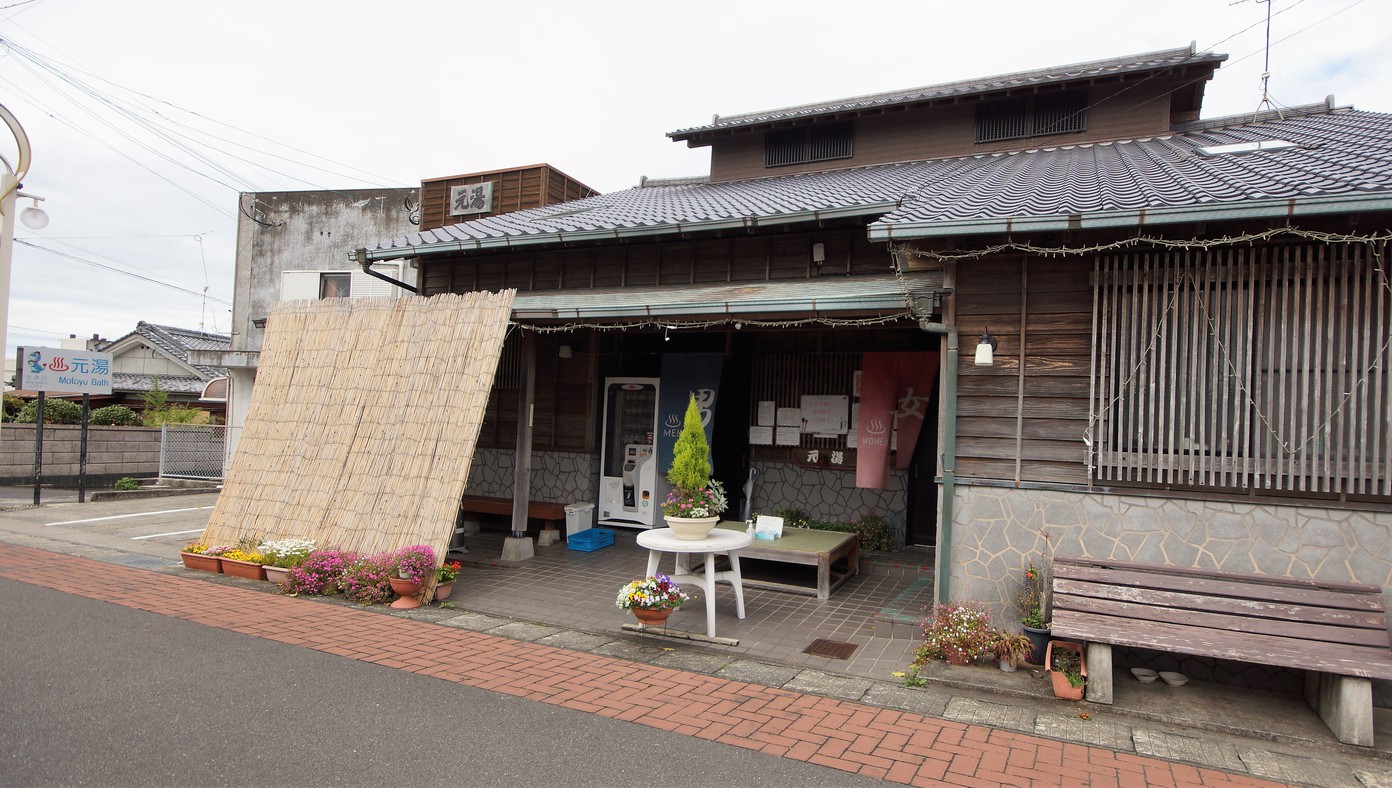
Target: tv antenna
[(1266, 101)]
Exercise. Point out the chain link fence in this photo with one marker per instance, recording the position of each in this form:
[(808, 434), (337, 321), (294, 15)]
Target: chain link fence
[(192, 451)]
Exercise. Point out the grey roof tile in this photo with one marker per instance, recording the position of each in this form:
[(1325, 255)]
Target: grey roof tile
[(1338, 153), (175, 384), (1341, 152), (1146, 61), (178, 342)]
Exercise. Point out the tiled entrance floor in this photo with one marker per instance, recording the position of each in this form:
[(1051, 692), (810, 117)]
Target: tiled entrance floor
[(577, 590)]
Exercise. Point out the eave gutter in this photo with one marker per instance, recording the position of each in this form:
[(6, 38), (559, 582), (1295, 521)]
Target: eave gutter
[(367, 269), (1257, 209), (747, 223)]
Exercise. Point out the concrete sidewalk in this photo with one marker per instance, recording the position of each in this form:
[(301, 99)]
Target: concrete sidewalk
[(551, 602)]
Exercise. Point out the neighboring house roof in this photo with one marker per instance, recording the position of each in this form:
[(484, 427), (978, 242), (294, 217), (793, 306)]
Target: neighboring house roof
[(175, 343), (1342, 161), (1110, 67)]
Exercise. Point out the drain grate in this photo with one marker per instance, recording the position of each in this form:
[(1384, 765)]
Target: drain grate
[(834, 649)]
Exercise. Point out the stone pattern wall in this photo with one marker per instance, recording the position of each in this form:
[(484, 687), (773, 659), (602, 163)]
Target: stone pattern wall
[(828, 495), (112, 452), (999, 530), (558, 477)]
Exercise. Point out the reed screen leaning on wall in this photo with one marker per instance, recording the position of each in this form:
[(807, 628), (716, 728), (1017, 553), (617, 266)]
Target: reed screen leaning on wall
[(363, 421)]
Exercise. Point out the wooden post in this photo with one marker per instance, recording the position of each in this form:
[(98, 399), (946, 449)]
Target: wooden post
[(522, 478)]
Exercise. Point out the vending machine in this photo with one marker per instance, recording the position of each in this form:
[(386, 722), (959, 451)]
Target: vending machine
[(628, 458)]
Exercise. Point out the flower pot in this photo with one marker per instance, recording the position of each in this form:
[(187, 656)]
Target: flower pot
[(691, 529), (1062, 688), (205, 563), (442, 591), (956, 656), (650, 617), (276, 574), (244, 569), (406, 591), (1039, 638)]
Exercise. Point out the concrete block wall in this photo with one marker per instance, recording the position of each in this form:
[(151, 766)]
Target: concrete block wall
[(112, 452), (558, 477), (828, 495)]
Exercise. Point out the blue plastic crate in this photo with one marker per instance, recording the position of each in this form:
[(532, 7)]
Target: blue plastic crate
[(590, 539)]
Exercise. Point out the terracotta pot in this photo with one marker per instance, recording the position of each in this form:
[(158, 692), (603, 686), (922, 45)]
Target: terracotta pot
[(205, 563), (442, 591), (276, 574), (649, 617), (691, 529), (245, 569), (1063, 689), (957, 657), (406, 590)]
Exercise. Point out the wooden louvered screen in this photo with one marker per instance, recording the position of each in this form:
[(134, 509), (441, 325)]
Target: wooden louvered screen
[(1240, 368)]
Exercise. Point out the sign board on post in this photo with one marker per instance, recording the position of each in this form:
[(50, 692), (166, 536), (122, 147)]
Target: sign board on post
[(63, 370)]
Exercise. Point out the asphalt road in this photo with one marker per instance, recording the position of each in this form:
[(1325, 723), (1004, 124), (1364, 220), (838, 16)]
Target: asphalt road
[(97, 694)]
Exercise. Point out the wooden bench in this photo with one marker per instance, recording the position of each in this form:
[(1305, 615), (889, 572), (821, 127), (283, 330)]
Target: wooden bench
[(1335, 632), (549, 513), (836, 556)]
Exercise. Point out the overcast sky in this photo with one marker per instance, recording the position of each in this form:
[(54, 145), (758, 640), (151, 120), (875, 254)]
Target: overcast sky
[(298, 94)]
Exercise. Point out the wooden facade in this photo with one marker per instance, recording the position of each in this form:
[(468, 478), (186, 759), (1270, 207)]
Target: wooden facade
[(513, 190), (1119, 111), (1023, 418)]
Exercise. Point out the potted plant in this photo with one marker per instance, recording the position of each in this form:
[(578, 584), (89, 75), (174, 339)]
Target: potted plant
[(651, 599), (321, 573), (694, 505), (244, 563), (957, 632), (282, 555), (414, 566), (1011, 649), (444, 580), (1031, 602), (197, 556), (1067, 668)]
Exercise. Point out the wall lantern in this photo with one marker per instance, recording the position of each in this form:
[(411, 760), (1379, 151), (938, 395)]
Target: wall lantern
[(986, 349)]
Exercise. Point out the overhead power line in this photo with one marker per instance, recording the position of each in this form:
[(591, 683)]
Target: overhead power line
[(114, 269)]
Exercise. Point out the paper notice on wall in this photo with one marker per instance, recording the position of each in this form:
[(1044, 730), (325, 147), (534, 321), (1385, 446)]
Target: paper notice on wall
[(766, 413), (825, 414), (761, 436), (854, 429), (790, 417), (789, 436)]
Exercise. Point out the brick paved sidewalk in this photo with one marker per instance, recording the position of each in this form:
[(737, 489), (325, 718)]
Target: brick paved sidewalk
[(894, 745)]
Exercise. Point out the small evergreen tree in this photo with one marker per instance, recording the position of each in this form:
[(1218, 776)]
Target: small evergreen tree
[(691, 468)]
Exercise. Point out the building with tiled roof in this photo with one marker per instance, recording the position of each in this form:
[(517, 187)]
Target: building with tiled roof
[(1094, 322), (156, 353)]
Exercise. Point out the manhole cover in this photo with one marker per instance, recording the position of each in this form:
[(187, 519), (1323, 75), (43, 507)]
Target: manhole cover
[(834, 649)]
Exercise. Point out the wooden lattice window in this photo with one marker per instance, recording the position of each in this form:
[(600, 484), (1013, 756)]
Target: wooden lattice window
[(1035, 116), (814, 143), (1245, 368)]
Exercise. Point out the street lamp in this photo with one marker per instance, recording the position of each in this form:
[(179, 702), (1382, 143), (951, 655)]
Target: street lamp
[(11, 179)]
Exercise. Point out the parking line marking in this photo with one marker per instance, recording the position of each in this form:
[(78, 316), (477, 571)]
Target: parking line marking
[(171, 533), (125, 516)]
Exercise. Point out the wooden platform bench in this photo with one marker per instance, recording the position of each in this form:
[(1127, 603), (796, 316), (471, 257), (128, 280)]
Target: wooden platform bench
[(836, 556), (549, 513), (1335, 632)]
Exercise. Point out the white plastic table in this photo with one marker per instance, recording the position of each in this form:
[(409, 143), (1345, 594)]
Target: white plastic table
[(661, 540)]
